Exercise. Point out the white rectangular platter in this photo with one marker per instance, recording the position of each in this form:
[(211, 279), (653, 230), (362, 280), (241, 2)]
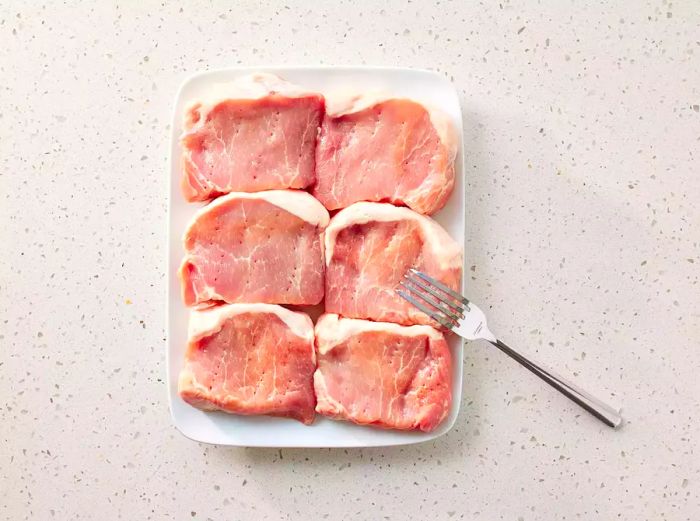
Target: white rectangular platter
[(226, 429)]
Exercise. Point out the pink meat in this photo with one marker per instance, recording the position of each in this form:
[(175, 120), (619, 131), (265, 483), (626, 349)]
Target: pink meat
[(248, 145), (263, 247), (370, 246), (375, 373), (388, 152), (250, 359)]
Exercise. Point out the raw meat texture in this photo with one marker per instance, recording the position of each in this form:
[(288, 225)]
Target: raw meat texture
[(262, 247), (387, 150), (370, 246), (382, 374), (250, 359), (257, 133)]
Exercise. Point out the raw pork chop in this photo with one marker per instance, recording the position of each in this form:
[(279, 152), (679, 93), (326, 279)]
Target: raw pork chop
[(250, 359), (257, 133), (390, 150), (382, 374), (262, 247), (369, 247)]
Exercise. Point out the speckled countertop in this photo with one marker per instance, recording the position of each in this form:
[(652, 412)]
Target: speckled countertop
[(583, 207)]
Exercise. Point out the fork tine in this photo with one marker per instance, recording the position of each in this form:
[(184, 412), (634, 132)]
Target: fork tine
[(441, 287), (435, 302), (453, 306), (425, 309)]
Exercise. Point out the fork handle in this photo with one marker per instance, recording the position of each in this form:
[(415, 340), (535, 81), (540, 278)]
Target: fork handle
[(590, 403)]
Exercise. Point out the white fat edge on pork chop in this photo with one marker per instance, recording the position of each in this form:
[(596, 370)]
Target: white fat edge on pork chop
[(342, 103), (249, 87), (298, 203), (444, 246), (209, 321), (333, 330)]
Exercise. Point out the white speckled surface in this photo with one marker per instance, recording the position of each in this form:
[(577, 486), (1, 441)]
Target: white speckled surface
[(582, 135)]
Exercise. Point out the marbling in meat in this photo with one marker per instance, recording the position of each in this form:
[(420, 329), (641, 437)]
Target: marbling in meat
[(256, 133), (382, 374), (261, 247), (385, 150), (250, 359), (368, 249)]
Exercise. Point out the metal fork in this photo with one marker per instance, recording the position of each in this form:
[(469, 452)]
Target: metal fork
[(456, 313)]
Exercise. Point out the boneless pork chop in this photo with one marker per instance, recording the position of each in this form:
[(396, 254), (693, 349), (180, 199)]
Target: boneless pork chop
[(256, 133), (382, 374), (250, 359), (262, 247), (370, 246), (387, 150)]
